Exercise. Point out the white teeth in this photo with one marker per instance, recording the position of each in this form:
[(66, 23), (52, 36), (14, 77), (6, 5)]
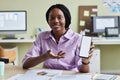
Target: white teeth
[(56, 26)]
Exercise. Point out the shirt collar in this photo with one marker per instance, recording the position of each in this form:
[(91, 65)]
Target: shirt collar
[(67, 35), (48, 35)]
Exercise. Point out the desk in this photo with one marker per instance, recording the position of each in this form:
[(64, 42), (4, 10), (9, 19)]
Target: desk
[(11, 70)]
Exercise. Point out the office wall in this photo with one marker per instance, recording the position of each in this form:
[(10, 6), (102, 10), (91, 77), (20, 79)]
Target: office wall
[(36, 10)]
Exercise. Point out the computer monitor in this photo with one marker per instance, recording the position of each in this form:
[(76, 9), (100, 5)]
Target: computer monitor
[(101, 22), (13, 22)]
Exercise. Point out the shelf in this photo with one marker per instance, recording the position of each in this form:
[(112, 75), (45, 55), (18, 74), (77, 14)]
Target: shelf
[(17, 41), (106, 41), (96, 41)]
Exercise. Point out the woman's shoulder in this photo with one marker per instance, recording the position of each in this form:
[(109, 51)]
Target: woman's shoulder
[(74, 34), (44, 34)]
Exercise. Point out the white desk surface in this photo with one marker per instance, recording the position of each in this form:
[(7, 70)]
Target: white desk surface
[(106, 41), (17, 40), (96, 41), (11, 70)]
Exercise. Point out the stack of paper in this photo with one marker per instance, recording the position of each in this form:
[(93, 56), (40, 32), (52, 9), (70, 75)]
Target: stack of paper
[(105, 77)]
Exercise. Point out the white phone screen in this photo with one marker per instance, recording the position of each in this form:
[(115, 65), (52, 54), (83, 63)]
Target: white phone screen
[(85, 46)]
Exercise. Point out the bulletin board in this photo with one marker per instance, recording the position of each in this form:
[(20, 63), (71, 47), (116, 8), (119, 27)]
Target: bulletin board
[(85, 19)]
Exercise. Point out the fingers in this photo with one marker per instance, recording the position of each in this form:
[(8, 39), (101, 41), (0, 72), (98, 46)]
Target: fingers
[(92, 46), (90, 52), (60, 54), (49, 51)]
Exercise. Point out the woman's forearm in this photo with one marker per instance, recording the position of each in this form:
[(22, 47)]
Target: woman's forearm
[(33, 61)]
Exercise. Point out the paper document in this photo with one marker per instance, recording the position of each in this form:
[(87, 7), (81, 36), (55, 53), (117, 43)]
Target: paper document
[(105, 77), (72, 77), (38, 75)]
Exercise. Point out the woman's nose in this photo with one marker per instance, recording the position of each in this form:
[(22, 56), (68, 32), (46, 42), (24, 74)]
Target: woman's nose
[(56, 20)]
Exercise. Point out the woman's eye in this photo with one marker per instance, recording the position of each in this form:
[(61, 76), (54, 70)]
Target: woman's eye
[(51, 18), (59, 18)]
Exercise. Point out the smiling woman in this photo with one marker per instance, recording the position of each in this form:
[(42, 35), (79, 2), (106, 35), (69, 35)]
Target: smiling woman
[(57, 23), (58, 48)]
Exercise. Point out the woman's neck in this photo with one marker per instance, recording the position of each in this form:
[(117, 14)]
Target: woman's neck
[(58, 34)]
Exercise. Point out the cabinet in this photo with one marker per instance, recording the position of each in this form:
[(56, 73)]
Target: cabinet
[(95, 62)]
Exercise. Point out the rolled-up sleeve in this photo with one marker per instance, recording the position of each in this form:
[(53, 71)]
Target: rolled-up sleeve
[(33, 51)]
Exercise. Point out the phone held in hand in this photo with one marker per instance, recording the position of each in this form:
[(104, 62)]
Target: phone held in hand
[(85, 46)]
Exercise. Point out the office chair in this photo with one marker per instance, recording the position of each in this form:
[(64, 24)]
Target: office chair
[(7, 56)]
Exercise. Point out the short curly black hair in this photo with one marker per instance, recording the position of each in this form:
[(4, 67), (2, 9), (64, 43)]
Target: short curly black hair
[(65, 11)]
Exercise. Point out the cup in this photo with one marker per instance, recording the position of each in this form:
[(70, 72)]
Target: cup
[(2, 68)]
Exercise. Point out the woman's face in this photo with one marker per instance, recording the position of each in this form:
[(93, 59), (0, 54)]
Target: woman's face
[(56, 20)]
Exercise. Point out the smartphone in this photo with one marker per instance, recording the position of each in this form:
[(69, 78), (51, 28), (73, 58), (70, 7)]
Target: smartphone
[(85, 46)]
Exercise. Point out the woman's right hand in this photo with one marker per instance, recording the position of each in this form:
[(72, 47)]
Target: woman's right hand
[(50, 54)]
